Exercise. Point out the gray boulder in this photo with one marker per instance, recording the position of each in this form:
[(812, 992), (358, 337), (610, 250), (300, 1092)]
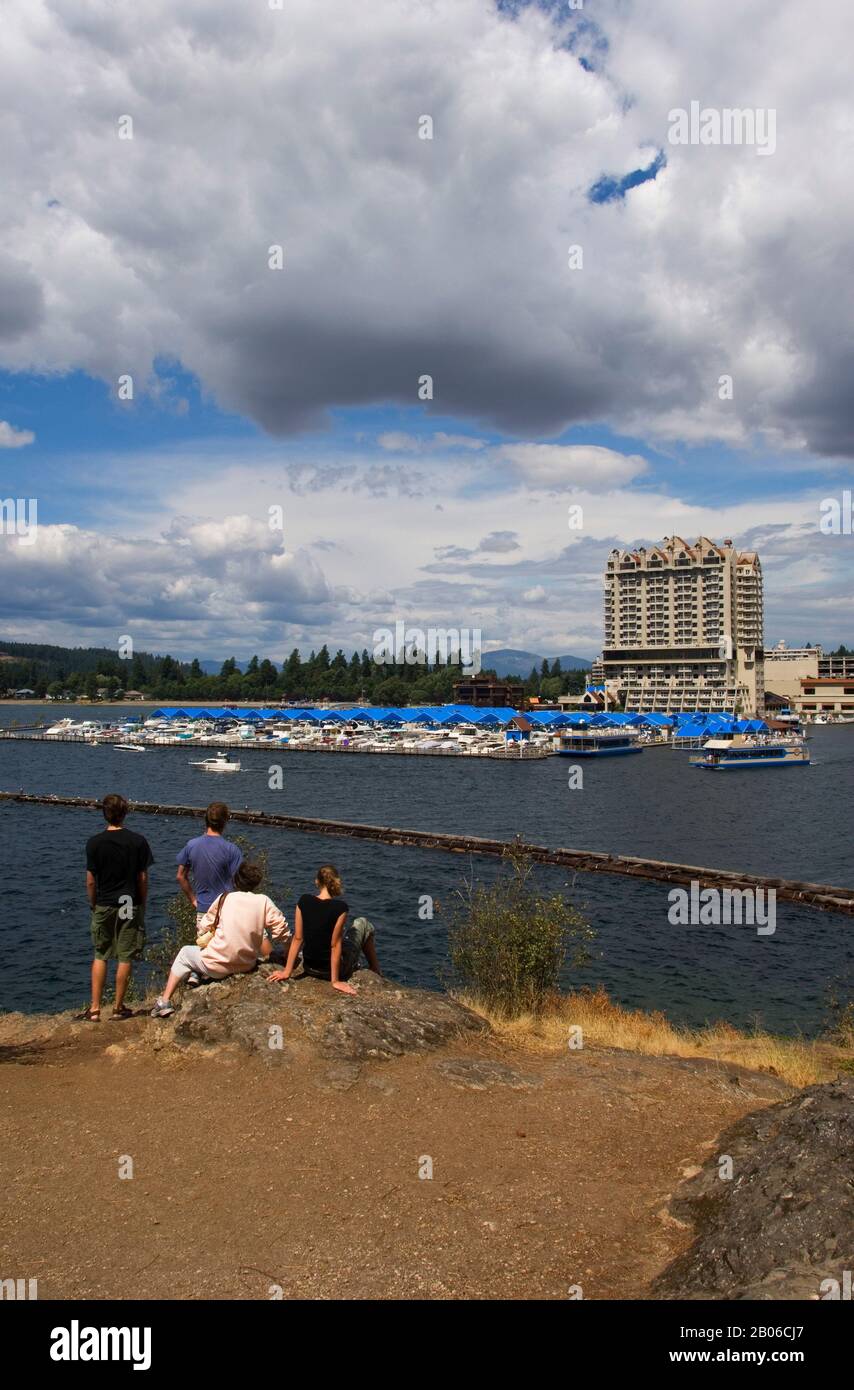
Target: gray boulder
[(280, 1021), (784, 1223)]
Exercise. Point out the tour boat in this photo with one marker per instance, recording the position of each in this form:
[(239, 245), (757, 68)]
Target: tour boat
[(221, 763), (597, 743), (720, 753)]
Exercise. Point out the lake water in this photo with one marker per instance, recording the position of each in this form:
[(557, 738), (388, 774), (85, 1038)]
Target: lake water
[(790, 822)]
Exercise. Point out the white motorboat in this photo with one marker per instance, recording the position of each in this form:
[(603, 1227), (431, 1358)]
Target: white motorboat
[(129, 747), (221, 763)]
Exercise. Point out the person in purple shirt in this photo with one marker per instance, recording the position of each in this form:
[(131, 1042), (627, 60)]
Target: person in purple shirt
[(207, 864)]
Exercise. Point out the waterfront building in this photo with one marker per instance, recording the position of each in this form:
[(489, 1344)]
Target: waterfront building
[(596, 698), (825, 695), (785, 667), (835, 665), (789, 669), (489, 691), (684, 627)]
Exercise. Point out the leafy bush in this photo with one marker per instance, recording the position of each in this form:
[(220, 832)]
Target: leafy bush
[(840, 1011), (508, 944)]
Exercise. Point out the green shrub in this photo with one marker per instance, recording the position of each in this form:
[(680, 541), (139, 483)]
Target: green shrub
[(508, 944), (840, 1012)]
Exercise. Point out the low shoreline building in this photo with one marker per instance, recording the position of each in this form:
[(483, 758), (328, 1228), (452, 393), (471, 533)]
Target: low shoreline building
[(809, 679), (825, 695), (785, 667), (489, 692)]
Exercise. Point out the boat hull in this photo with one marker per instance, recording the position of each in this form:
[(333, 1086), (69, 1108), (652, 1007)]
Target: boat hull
[(595, 752), (751, 763)]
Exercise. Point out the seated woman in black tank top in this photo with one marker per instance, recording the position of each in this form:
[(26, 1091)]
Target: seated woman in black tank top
[(330, 951)]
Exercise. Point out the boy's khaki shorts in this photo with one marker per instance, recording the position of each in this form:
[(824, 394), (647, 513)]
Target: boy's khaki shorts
[(115, 937)]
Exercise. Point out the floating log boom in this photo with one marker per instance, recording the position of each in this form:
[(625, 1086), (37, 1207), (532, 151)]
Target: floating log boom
[(819, 895)]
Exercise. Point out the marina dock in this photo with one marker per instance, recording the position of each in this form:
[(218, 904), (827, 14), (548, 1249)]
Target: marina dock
[(516, 752)]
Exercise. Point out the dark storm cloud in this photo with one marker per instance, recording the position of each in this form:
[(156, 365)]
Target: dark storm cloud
[(449, 257)]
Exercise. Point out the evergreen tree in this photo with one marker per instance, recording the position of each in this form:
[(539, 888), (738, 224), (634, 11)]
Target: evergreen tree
[(292, 674)]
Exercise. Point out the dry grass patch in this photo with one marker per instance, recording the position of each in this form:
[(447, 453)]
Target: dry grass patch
[(799, 1061)]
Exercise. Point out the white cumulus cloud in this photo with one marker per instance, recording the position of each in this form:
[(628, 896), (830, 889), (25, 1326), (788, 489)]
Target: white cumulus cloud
[(10, 438)]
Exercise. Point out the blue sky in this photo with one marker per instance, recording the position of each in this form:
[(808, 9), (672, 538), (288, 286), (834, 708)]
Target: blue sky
[(82, 434)]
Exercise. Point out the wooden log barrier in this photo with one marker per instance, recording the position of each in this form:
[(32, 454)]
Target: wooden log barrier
[(820, 895)]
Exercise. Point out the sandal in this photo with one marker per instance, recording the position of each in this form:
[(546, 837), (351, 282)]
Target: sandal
[(122, 1013), (89, 1015)]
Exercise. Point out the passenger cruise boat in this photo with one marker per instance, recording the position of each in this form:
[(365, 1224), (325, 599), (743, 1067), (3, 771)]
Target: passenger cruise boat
[(597, 743), (721, 753)]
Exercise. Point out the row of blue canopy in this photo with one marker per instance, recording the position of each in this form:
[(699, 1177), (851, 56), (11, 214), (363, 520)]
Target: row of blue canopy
[(685, 725), (433, 714)]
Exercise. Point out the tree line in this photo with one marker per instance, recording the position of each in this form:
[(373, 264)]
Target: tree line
[(99, 674)]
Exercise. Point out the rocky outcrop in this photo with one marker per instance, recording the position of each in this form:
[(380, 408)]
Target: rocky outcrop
[(784, 1223), (277, 1021)]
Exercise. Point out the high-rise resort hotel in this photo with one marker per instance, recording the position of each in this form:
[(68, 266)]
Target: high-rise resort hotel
[(683, 628)]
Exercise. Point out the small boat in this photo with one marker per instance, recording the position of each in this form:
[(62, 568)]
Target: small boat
[(129, 747), (720, 753), (597, 743), (221, 763)]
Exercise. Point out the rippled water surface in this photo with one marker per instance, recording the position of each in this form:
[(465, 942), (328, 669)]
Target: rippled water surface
[(790, 822)]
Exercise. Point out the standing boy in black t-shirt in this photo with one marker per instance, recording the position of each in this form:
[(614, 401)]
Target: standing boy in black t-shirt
[(117, 863)]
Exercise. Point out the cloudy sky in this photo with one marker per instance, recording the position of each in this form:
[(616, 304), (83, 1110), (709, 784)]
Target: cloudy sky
[(659, 334)]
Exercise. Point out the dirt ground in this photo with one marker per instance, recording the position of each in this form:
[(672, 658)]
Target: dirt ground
[(250, 1179)]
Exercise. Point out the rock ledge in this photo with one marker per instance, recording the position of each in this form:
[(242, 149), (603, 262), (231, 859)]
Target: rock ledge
[(382, 1020), (784, 1223)]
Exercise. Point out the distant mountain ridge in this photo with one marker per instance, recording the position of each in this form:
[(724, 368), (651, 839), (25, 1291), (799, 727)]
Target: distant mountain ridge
[(509, 661), (506, 661), (213, 668)]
